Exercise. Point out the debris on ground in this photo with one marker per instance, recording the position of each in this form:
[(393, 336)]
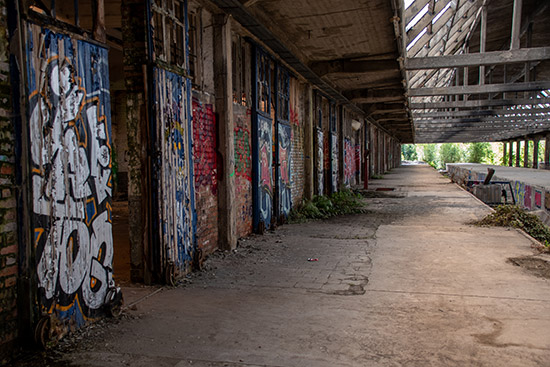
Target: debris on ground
[(514, 216)]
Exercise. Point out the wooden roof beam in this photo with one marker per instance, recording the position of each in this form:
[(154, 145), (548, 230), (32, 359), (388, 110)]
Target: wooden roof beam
[(479, 89), (480, 103)]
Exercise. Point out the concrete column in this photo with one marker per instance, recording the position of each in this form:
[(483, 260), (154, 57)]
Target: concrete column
[(536, 153), (510, 154), (504, 146), (518, 150), (547, 152), (309, 189), (223, 83), (526, 154)]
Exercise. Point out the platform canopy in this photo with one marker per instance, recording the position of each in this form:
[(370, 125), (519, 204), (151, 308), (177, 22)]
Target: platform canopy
[(477, 70)]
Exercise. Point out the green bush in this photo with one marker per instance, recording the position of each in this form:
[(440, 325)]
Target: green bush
[(323, 207)]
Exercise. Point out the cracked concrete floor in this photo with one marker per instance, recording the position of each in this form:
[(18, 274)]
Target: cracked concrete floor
[(409, 283)]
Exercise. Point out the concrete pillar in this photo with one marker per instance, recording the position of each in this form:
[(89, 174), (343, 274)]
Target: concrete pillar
[(518, 150), (536, 153), (526, 154), (510, 154), (134, 59), (504, 146), (309, 189), (223, 83), (546, 152)]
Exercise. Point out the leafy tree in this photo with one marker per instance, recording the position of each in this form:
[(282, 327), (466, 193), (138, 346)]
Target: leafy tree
[(430, 154), (480, 153), (409, 152), (450, 153)]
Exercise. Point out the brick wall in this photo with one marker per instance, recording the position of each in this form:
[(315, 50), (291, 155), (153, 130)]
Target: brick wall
[(297, 164), (8, 227), (206, 175), (243, 169)]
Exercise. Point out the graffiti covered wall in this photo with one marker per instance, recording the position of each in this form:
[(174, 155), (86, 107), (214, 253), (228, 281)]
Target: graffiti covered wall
[(206, 175), (349, 162), (334, 162), (265, 164), (319, 163), (285, 193), (297, 161), (243, 170), (173, 171), (69, 106)]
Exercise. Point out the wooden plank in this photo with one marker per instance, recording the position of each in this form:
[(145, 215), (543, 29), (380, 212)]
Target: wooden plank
[(467, 113), (414, 9), (479, 89), (478, 59), (98, 9), (516, 25)]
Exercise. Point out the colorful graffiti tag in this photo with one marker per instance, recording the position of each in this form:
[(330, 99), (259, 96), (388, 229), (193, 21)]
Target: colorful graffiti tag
[(320, 163), (243, 151), (538, 199), (69, 121), (173, 168), (334, 162), (285, 193), (264, 168), (204, 148), (349, 161), (527, 198)]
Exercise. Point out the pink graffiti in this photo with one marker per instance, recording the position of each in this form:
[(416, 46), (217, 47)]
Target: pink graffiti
[(294, 116), (265, 174), (349, 161), (283, 156), (538, 199), (204, 147)]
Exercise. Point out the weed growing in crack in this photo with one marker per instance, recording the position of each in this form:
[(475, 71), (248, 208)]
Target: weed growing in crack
[(323, 207)]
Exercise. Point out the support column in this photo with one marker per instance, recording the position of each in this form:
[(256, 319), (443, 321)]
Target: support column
[(547, 152), (483, 37), (526, 154), (536, 153), (518, 150), (223, 84), (308, 144), (504, 146), (510, 154), (516, 25)]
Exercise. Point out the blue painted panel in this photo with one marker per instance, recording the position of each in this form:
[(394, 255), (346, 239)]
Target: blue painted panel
[(285, 146), (264, 169), (174, 168), (70, 150)]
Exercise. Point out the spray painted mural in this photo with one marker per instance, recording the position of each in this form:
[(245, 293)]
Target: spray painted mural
[(334, 162), (349, 162), (174, 169), (320, 163), (243, 170), (69, 122), (285, 192), (265, 163), (204, 149)]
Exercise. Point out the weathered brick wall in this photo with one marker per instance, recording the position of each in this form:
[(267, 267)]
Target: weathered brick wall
[(205, 172), (297, 163), (8, 227), (243, 169)]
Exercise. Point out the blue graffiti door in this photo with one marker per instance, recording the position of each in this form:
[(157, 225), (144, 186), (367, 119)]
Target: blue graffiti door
[(284, 134), (71, 178), (262, 143)]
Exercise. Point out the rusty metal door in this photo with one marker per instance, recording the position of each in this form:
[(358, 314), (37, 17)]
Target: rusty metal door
[(70, 154)]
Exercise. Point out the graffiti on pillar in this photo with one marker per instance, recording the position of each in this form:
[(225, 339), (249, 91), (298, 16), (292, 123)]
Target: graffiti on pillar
[(70, 148), (349, 161), (243, 170), (204, 147), (538, 199), (357, 158), (547, 199), (334, 162), (528, 203), (285, 193), (173, 168), (320, 162), (519, 192), (265, 164)]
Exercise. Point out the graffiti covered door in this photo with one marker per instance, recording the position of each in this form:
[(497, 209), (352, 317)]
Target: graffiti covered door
[(173, 167), (262, 142), (70, 150), (284, 140)]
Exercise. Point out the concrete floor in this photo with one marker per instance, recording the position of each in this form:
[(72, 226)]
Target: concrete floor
[(410, 283)]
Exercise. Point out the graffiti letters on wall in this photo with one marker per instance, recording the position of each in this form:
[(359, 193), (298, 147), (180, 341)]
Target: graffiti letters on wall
[(173, 167), (204, 147), (264, 169), (320, 162), (334, 162), (349, 161), (69, 104), (243, 151), (284, 168), (243, 170)]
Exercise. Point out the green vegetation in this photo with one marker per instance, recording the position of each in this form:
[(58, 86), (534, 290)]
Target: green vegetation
[(323, 207), (409, 152), (514, 216), (480, 153)]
